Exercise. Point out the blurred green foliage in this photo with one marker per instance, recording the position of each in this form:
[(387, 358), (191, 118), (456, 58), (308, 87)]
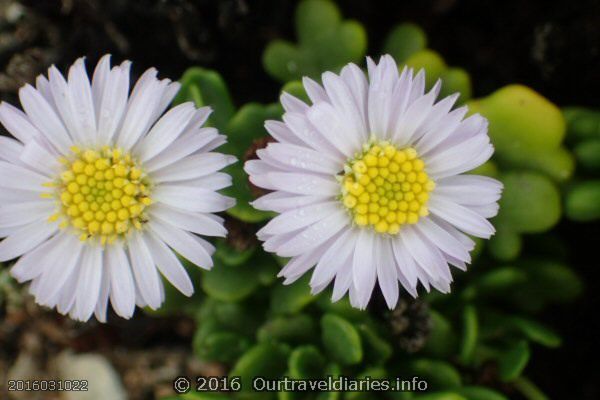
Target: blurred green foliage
[(255, 326)]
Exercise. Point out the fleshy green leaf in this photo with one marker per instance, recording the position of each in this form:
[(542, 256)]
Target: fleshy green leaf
[(404, 41), (480, 393), (530, 203), (228, 283), (289, 299), (223, 347), (325, 43), (268, 360), (521, 120), (505, 245), (588, 155), (583, 201), (535, 331), (306, 362), (442, 338), (377, 350), (470, 334), (514, 360), (293, 329), (341, 340), (438, 374)]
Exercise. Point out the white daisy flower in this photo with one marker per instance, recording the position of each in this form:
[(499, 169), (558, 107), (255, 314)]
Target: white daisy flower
[(99, 187), (368, 181)]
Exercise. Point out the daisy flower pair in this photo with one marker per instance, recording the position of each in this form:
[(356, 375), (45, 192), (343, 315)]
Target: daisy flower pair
[(101, 186)]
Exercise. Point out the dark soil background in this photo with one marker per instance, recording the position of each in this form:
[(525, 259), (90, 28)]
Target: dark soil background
[(552, 46)]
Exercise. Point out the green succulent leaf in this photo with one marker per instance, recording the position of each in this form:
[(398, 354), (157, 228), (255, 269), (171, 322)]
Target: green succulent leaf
[(442, 339), (376, 349), (583, 201), (230, 256), (229, 283), (223, 347), (530, 203), (268, 360), (470, 334), (439, 374), (505, 245), (298, 328), (480, 393), (289, 299), (441, 396), (521, 120), (341, 340), (535, 331), (514, 360), (588, 155), (404, 41), (582, 123), (325, 42), (306, 362)]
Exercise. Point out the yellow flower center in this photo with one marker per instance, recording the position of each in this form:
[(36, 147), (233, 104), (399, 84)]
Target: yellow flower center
[(102, 194), (386, 187)]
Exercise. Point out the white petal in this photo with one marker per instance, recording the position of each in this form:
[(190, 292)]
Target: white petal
[(40, 159), (185, 145), (45, 119), (301, 158), (192, 167), (406, 267), (18, 177), (341, 97), (192, 198), (304, 183), (144, 270), (193, 248), (298, 218), (83, 106), (25, 213), (165, 131), (100, 81), (301, 127), (10, 150), (122, 287), (282, 133), (364, 273), (32, 264), (292, 104), (17, 123), (314, 235), (387, 271), (169, 265), (469, 189), (102, 302), (198, 223), (25, 239), (442, 239), (113, 103), (88, 284), (281, 201), (61, 262), (315, 92), (334, 258), (142, 104), (328, 122), (461, 217)]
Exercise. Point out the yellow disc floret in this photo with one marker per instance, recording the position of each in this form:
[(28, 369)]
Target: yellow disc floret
[(385, 187), (102, 194)]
